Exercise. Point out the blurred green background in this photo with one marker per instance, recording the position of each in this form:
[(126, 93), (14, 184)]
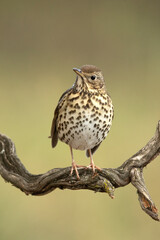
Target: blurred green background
[(40, 43)]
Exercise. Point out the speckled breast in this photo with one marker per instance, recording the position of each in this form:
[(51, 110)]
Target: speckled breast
[(84, 120)]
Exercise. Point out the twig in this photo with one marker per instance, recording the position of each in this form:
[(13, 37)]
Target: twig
[(131, 171)]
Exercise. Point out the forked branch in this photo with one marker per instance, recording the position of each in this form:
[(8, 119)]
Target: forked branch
[(131, 171)]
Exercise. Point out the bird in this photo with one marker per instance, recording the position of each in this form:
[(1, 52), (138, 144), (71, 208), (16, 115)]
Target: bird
[(84, 114)]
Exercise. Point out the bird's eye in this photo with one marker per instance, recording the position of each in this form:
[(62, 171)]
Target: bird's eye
[(93, 77)]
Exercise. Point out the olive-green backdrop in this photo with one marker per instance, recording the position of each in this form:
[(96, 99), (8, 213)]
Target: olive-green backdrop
[(40, 43)]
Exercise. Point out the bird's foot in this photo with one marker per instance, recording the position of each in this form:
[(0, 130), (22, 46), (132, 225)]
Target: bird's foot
[(74, 167), (94, 167)]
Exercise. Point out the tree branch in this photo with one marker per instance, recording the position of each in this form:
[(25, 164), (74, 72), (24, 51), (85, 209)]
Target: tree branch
[(131, 171)]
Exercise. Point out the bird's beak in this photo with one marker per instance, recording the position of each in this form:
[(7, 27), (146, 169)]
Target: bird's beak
[(78, 71)]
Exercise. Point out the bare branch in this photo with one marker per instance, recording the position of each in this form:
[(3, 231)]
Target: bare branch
[(131, 171)]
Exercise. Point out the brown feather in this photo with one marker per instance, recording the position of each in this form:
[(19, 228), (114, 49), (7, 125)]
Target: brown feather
[(54, 133), (92, 150), (89, 69)]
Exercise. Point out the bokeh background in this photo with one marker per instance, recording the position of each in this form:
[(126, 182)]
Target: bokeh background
[(40, 43)]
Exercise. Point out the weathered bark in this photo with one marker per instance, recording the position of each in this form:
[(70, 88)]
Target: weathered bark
[(106, 180)]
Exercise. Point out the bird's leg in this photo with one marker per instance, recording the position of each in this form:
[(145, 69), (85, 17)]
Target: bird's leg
[(92, 165), (74, 166)]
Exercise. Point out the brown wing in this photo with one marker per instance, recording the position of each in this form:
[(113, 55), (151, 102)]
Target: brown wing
[(54, 133), (92, 150)]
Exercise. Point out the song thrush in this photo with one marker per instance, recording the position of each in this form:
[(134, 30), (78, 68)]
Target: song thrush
[(83, 116)]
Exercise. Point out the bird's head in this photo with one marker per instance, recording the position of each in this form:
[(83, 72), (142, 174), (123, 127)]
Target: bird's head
[(90, 76)]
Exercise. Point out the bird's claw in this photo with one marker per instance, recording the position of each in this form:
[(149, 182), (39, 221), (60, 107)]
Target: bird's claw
[(74, 167), (94, 167)]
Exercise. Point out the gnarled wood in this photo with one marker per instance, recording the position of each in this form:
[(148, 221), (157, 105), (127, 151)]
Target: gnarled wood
[(107, 180)]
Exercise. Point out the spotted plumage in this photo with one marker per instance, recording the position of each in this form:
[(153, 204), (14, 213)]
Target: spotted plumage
[(83, 116)]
